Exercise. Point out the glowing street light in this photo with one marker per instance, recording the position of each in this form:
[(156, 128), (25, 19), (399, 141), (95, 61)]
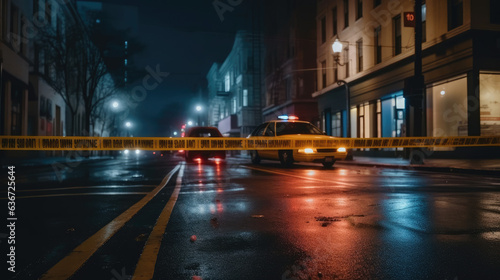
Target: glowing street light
[(128, 125), (115, 105)]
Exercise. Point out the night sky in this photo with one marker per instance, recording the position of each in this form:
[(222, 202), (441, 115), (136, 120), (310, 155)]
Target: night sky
[(184, 38)]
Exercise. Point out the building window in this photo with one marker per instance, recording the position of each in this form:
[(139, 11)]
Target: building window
[(376, 3), (396, 21), (392, 116), (424, 21), (400, 115), (49, 110), (361, 121), (359, 47), (234, 105), (377, 42), (346, 62), (337, 125), (359, 9), (455, 13), (3, 18), (334, 21), (448, 103), (227, 83), (14, 27), (495, 11), (245, 97), (488, 104), (346, 13), (323, 74), (289, 88), (323, 30)]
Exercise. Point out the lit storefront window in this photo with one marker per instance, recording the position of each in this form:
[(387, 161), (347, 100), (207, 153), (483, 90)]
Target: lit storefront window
[(337, 124), (392, 116), (489, 100), (447, 114)]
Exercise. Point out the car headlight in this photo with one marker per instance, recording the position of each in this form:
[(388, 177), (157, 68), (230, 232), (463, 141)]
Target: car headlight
[(341, 150), (307, 151)]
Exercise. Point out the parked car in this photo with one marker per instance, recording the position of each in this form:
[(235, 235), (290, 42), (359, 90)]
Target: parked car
[(291, 127), (203, 131)]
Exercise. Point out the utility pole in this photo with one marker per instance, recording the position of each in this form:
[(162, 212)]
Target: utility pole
[(414, 91)]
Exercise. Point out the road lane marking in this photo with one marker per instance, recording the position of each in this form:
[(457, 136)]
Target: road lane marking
[(300, 177), (66, 267), (146, 265)]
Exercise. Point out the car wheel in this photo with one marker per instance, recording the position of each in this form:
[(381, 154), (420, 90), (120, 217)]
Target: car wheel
[(328, 164), (286, 158), (254, 155)]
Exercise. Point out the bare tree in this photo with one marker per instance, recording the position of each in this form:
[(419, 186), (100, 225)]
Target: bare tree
[(58, 56), (77, 71)]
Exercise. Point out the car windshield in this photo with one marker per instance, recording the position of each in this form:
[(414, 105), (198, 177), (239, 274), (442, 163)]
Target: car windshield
[(286, 128)]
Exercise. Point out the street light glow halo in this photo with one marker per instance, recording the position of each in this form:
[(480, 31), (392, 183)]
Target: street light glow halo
[(337, 46)]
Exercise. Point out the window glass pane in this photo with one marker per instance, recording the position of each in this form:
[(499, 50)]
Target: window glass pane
[(448, 114), (489, 103)]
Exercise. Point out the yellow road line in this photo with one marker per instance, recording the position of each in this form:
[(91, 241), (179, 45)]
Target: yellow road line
[(298, 176), (146, 265), (66, 267)]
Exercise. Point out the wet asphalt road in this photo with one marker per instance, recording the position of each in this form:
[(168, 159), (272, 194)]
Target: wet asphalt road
[(252, 222)]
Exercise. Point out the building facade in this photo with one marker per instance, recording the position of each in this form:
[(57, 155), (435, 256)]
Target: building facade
[(234, 88), (290, 60), (460, 67), (29, 105)]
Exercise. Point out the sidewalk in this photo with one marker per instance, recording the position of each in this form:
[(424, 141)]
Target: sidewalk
[(468, 166)]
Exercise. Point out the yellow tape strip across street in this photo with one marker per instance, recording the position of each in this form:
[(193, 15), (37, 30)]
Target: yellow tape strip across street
[(234, 143)]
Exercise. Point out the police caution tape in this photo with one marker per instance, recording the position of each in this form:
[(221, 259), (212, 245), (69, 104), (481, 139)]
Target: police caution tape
[(233, 143)]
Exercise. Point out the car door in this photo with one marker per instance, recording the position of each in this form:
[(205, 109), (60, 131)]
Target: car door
[(270, 133)]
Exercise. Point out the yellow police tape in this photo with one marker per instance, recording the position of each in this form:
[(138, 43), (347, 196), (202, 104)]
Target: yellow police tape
[(233, 143)]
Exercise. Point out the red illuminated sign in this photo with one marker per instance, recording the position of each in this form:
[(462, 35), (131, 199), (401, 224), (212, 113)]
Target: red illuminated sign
[(409, 19)]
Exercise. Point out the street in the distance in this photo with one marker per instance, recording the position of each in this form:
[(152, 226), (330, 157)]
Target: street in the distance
[(237, 220)]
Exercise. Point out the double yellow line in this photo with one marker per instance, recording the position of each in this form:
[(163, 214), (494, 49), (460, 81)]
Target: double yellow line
[(70, 264)]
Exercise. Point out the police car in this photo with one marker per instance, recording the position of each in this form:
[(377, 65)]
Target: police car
[(290, 127)]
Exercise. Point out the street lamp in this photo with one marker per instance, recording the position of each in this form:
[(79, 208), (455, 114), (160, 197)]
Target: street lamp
[(337, 47), (198, 109), (128, 125)]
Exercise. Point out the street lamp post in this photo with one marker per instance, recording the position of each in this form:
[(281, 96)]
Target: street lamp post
[(337, 47), (347, 105)]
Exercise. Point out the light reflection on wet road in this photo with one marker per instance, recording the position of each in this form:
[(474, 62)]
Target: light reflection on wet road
[(265, 222), (344, 223)]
